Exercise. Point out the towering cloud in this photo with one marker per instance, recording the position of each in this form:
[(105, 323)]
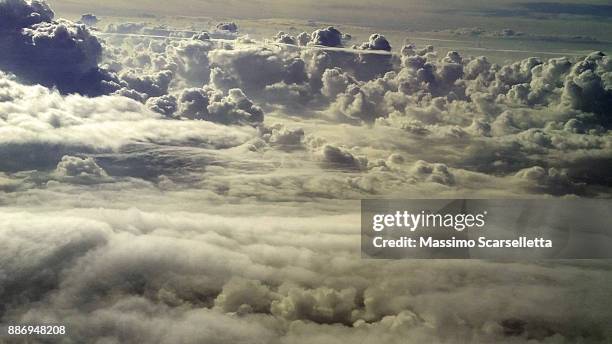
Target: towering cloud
[(19, 14), (174, 211), (59, 53), (329, 36), (376, 42), (211, 105)]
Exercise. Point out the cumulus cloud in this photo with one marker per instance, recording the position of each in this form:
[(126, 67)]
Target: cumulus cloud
[(166, 105), (322, 305), (244, 296), (303, 38), (173, 210), (329, 36), (19, 14), (50, 52), (279, 135), (282, 37), (154, 85), (227, 26), (81, 170), (341, 157), (202, 36), (252, 69), (376, 42), (212, 105), (89, 19), (234, 108), (335, 82)]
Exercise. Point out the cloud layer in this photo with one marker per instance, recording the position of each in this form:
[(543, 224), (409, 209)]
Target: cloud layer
[(209, 191)]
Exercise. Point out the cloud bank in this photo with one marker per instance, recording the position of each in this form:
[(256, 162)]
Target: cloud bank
[(207, 191)]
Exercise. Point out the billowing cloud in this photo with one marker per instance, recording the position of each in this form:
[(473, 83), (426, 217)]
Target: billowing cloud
[(225, 284), (51, 52), (282, 37), (330, 37), (174, 210), (19, 14), (212, 105), (166, 105), (376, 42), (80, 170), (227, 26)]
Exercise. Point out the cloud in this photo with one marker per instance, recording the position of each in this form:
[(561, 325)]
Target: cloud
[(19, 14), (89, 19), (335, 82), (227, 26), (208, 277), (376, 42), (212, 105), (80, 170), (174, 210), (330, 37), (166, 105), (50, 52), (282, 37), (253, 68), (125, 27), (279, 135), (340, 157), (244, 296), (234, 108), (202, 36), (154, 85), (303, 38), (48, 125), (322, 305)]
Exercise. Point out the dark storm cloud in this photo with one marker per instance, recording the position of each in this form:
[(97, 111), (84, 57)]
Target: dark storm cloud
[(19, 14), (51, 52)]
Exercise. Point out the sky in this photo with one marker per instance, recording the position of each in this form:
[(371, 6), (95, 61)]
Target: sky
[(584, 17), (189, 180)]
